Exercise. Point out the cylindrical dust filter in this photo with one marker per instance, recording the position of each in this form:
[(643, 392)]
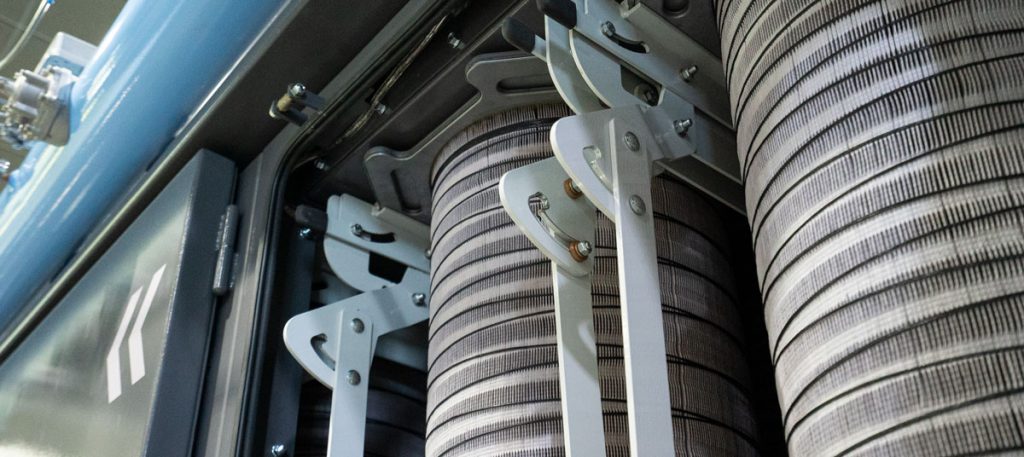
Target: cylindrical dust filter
[(882, 150), (493, 370)]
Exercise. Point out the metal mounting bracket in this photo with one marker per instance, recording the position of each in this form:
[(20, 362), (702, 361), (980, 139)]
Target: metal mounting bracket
[(401, 179), (336, 343)]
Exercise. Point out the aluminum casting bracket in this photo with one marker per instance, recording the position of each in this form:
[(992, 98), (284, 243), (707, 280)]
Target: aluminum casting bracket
[(336, 343)]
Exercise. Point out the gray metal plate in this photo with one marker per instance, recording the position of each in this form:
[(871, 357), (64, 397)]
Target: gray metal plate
[(116, 367)]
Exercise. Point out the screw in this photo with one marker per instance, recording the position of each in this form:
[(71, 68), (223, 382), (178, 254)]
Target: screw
[(353, 377), (682, 126), (297, 90), (632, 142), (320, 164), (572, 189), (580, 250), (381, 108), (306, 233), (637, 205), (650, 96), (608, 29), (277, 450), (357, 325), (419, 299), (357, 230), (454, 41), (688, 73)]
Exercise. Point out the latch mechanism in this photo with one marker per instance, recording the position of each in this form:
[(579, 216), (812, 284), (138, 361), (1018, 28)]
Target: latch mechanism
[(336, 343)]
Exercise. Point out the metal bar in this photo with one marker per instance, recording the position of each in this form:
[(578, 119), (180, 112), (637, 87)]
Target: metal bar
[(643, 334), (579, 383), (346, 436)]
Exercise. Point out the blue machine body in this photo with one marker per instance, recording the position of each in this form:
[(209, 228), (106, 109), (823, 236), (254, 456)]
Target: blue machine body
[(159, 62)]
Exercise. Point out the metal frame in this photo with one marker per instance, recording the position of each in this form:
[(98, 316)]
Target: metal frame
[(350, 329), (658, 84)]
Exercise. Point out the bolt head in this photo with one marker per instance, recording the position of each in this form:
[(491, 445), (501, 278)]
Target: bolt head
[(419, 299), (297, 90), (428, 253), (320, 164), (682, 126), (584, 247), (381, 108), (277, 450), (353, 377), (580, 250), (306, 233), (454, 41), (357, 325), (632, 142), (688, 73), (608, 29), (357, 230), (637, 205)]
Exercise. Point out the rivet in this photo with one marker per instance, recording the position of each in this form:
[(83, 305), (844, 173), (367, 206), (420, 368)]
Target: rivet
[(637, 205), (632, 142), (353, 377), (419, 299), (357, 325)]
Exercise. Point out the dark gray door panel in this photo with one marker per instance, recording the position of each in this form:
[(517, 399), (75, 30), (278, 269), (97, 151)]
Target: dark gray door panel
[(116, 368)]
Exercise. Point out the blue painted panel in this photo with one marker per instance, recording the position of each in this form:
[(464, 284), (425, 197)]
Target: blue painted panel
[(160, 60)]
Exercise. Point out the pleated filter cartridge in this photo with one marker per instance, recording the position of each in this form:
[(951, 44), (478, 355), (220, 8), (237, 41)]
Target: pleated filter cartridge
[(882, 145)]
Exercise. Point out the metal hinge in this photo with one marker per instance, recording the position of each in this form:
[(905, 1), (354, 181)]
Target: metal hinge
[(227, 235)]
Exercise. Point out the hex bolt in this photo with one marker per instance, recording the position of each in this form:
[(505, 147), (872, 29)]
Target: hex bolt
[(357, 325), (357, 230), (419, 299), (380, 108), (682, 126), (637, 205), (608, 29), (454, 41), (320, 164), (632, 142), (297, 90), (572, 189), (353, 377), (580, 250), (306, 233), (688, 73), (278, 450)]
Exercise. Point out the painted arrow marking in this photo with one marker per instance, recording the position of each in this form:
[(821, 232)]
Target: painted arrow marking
[(136, 360)]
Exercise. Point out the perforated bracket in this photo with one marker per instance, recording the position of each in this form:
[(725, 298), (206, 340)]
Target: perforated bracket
[(336, 343)]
